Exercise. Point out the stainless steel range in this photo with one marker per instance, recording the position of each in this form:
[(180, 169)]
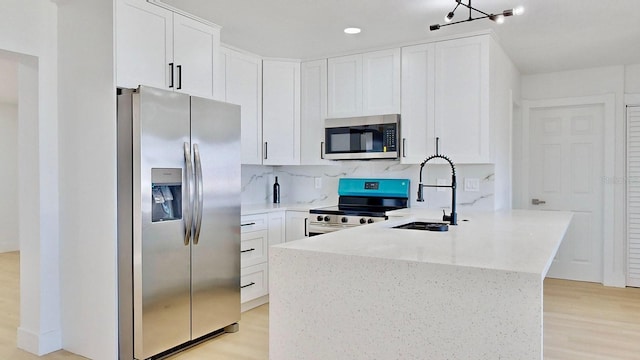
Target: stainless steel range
[(360, 202)]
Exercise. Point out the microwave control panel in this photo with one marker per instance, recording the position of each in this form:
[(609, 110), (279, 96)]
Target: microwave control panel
[(389, 141)]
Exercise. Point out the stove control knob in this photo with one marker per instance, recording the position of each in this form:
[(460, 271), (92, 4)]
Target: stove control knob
[(344, 220), (319, 218), (363, 221), (326, 218), (370, 221)]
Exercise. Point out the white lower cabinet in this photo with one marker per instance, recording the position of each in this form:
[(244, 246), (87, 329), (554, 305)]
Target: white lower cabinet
[(253, 247), (297, 222), (254, 281), (258, 232)]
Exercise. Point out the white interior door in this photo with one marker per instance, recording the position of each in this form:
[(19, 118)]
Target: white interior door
[(566, 173)]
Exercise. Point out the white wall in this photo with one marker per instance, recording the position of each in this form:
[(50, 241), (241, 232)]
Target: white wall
[(587, 82), (28, 35), (505, 90), (87, 115), (632, 79), (9, 178)]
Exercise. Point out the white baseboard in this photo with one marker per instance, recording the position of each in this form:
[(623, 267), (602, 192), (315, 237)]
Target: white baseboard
[(39, 344), (9, 247), (254, 303)]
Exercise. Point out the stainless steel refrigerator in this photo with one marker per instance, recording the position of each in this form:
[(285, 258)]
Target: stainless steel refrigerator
[(178, 220)]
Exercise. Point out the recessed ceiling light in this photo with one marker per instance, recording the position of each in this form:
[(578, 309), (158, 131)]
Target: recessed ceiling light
[(352, 30)]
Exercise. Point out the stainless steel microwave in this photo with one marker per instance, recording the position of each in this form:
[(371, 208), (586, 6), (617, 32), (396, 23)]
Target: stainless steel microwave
[(366, 137)]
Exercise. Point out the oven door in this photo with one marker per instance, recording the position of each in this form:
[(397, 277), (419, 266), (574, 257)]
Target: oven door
[(319, 229)]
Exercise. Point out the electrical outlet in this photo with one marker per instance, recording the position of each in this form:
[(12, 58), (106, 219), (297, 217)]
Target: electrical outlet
[(442, 182), (317, 182), (472, 184)]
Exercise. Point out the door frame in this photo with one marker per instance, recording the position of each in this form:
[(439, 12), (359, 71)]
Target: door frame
[(613, 252)]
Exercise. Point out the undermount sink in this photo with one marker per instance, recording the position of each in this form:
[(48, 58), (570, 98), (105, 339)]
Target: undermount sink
[(422, 225)]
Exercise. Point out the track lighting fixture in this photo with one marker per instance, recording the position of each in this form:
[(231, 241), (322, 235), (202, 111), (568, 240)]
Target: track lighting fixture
[(497, 18)]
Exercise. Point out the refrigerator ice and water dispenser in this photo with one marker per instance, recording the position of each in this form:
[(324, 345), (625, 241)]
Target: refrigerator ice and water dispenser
[(166, 194)]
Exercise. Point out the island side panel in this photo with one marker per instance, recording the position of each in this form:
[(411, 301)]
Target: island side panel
[(331, 306)]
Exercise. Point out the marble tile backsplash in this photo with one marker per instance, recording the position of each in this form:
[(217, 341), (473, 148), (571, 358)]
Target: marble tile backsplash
[(297, 183)]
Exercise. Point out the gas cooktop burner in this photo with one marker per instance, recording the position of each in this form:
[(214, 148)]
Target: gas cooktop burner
[(349, 211)]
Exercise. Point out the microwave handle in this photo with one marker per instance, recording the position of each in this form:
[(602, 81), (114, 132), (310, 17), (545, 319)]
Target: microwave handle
[(322, 150)]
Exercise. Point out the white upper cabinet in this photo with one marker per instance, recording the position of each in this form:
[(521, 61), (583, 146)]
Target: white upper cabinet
[(364, 84), (313, 112), (144, 37), (345, 86), (462, 99), (196, 52), (418, 113), (381, 82), (160, 48), (445, 96), (243, 86), (281, 112)]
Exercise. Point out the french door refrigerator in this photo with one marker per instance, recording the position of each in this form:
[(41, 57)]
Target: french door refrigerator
[(178, 220)]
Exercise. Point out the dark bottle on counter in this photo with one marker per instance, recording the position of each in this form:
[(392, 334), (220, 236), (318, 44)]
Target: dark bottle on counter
[(276, 192)]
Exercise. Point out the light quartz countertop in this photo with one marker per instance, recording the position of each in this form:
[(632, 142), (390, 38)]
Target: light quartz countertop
[(514, 240), (252, 209)]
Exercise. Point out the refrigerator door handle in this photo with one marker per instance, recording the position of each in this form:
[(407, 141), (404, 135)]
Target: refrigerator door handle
[(199, 195), (187, 194)]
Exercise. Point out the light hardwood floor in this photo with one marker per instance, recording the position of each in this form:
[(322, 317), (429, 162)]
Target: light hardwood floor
[(582, 321)]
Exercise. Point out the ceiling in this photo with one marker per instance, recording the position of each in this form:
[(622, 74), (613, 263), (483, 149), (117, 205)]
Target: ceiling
[(552, 35), (8, 81)]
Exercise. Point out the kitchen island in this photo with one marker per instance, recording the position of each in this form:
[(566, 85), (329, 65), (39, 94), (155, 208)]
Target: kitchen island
[(375, 292)]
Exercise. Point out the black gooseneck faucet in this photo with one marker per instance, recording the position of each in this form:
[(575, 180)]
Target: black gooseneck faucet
[(453, 217)]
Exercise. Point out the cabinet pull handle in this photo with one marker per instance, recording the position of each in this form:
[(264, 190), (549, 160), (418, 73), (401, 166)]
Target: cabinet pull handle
[(266, 149), (249, 284), (171, 66), (248, 224), (404, 147), (306, 232), (248, 250), (179, 77), (322, 150)]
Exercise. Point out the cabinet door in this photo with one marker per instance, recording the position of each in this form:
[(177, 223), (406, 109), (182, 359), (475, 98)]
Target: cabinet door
[(345, 86), (381, 82), (313, 112), (277, 226), (281, 112), (462, 99), (196, 47), (144, 44), (243, 86), (297, 222), (253, 248), (418, 86)]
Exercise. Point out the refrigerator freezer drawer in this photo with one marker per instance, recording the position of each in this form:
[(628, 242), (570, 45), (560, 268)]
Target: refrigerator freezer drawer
[(254, 282)]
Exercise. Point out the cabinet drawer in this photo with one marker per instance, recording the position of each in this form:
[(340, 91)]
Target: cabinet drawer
[(254, 282), (255, 222), (253, 248)]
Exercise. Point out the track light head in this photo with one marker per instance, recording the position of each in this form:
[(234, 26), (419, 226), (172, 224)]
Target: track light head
[(498, 19), (434, 27), (508, 12), (449, 17)]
